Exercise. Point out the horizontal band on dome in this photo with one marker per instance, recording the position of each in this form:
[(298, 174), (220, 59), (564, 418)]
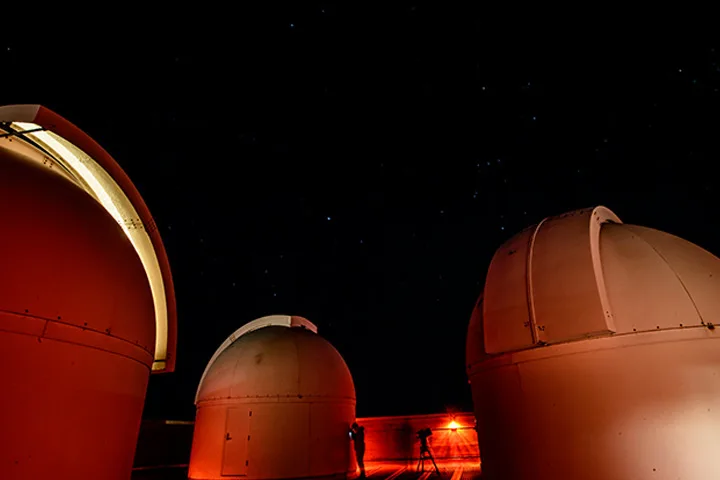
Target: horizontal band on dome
[(55, 330), (608, 342)]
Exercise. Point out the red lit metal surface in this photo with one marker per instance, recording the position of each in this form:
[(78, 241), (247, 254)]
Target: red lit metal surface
[(635, 401), (53, 122), (277, 402), (77, 331)]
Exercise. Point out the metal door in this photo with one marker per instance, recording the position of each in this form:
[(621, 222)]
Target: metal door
[(237, 427)]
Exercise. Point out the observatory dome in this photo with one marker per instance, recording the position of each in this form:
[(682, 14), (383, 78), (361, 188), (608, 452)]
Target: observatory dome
[(87, 307), (276, 401), (77, 326), (592, 344)]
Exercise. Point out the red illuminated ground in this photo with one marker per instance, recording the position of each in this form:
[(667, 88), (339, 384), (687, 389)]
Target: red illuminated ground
[(375, 471)]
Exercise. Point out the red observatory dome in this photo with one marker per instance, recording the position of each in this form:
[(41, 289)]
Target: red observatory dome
[(79, 325)]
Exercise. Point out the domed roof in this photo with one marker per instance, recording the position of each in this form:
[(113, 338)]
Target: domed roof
[(276, 356), (68, 271), (45, 138), (585, 274)]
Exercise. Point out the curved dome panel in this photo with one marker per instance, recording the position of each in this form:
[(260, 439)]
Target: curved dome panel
[(47, 139), (646, 291), (277, 320), (506, 288), (475, 341), (697, 269), (277, 361)]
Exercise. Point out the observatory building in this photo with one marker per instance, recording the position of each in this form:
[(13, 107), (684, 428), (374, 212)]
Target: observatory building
[(87, 309), (591, 354), (275, 401)]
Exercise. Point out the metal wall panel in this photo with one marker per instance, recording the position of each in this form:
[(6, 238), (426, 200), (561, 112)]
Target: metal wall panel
[(278, 445), (237, 436)]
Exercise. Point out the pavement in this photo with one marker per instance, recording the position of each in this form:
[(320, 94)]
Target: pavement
[(448, 471), (374, 471)]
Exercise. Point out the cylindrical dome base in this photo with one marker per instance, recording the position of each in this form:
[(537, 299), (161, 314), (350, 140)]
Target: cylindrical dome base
[(637, 406), (71, 412), (272, 440)]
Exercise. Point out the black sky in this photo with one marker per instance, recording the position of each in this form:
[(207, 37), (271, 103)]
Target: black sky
[(359, 166)]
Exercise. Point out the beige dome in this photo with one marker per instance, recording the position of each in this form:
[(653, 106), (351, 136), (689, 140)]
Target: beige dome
[(593, 346), (276, 401), (585, 274), (277, 361)]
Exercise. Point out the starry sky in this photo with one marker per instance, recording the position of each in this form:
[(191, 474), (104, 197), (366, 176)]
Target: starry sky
[(359, 167)]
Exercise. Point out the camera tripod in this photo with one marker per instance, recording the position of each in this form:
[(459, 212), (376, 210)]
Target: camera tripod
[(425, 455)]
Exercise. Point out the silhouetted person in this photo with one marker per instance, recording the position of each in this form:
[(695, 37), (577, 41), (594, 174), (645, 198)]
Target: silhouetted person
[(358, 435)]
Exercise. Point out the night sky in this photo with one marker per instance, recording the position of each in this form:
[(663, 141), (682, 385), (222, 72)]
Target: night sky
[(360, 166)]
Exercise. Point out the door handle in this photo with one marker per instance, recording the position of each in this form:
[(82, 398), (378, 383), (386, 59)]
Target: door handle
[(228, 437)]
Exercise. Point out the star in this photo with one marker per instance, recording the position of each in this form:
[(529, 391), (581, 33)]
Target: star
[(329, 218)]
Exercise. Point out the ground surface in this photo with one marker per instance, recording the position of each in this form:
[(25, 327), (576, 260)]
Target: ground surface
[(380, 471)]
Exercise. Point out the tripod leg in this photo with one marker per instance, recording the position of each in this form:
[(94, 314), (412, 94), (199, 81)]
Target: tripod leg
[(437, 470)]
